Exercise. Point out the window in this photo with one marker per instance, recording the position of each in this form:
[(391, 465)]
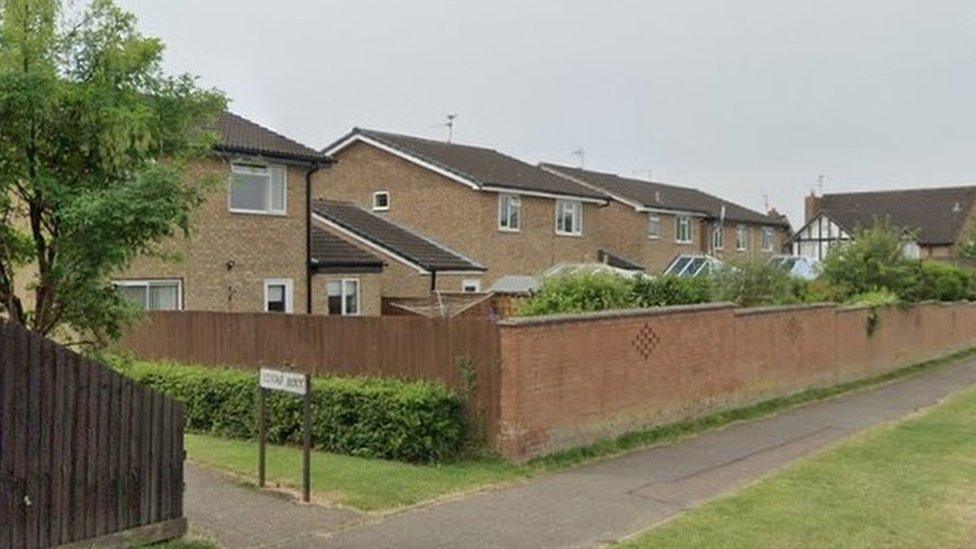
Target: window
[(509, 212), (277, 295), (343, 296), (718, 237), (472, 286), (682, 229), (767, 239), (381, 201), (257, 189), (692, 266), (569, 217), (742, 237), (654, 226), (152, 295)]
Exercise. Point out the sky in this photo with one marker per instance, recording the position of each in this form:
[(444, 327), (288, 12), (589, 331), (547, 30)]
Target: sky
[(751, 100)]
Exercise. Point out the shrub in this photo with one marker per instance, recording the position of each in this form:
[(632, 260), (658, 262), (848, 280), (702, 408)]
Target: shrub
[(945, 282), (411, 421), (666, 290), (754, 282), (881, 298), (580, 292), (873, 261)]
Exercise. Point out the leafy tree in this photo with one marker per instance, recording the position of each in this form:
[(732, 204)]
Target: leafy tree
[(754, 282), (94, 140), (580, 292), (874, 261)]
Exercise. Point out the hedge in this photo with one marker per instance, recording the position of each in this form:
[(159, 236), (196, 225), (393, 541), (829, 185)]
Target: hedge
[(414, 421)]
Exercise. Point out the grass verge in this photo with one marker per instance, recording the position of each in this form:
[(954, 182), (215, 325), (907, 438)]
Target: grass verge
[(912, 484), (378, 485)]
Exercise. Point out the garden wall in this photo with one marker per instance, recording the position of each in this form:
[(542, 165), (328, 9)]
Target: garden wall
[(568, 380)]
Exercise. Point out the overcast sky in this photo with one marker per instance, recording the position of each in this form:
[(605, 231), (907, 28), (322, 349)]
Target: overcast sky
[(742, 99)]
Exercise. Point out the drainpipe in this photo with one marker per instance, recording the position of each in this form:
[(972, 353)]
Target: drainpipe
[(433, 281), (308, 235)]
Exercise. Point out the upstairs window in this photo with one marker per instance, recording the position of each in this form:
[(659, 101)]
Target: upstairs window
[(343, 297), (277, 295), (767, 239), (471, 286), (654, 226), (718, 237), (381, 201), (152, 295), (509, 212), (682, 229), (258, 189), (742, 237), (569, 217)]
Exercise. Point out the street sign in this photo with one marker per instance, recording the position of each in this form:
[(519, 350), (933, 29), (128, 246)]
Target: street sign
[(278, 380), (297, 384)]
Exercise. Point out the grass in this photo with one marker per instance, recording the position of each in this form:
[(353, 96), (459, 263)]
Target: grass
[(912, 484), (377, 485), (361, 483)]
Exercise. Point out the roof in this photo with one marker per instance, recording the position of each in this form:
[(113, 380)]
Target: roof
[(393, 238), (614, 260), (239, 135), (480, 167), (938, 215), (329, 253), (651, 194), (515, 284)]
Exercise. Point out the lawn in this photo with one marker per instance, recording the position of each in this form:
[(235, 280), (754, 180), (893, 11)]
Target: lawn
[(912, 484), (365, 484)]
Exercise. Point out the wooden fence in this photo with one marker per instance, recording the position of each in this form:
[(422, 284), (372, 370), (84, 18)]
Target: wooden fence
[(86, 455), (385, 346)]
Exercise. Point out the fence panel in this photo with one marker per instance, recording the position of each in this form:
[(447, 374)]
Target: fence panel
[(69, 447)]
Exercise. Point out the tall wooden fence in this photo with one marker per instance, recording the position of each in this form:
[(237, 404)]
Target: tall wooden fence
[(386, 346), (86, 455)]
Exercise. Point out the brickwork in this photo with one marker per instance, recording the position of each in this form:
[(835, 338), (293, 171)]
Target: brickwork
[(568, 381)]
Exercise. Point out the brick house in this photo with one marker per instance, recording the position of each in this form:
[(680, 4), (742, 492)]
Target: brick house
[(940, 219), (652, 223)]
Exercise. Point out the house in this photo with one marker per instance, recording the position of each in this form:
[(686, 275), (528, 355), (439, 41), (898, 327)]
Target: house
[(654, 223), (940, 220), (504, 215), (247, 250)]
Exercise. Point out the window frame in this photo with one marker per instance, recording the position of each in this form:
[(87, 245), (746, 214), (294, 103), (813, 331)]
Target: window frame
[(289, 293), (718, 237), (768, 232), (474, 282), (148, 282), (577, 209), (266, 166), (654, 219), (381, 208), (342, 296), (506, 198), (742, 237), (678, 219)]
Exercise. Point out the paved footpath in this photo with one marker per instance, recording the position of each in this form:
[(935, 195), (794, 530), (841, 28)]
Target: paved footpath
[(588, 506)]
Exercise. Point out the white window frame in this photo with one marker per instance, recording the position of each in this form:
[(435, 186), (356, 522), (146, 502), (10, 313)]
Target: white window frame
[(768, 234), (577, 208), (741, 237), (504, 198), (342, 296), (678, 220), (474, 283), (718, 237), (289, 292), (147, 282), (235, 166), (381, 208), (654, 220)]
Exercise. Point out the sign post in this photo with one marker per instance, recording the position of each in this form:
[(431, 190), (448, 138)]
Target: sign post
[(296, 384)]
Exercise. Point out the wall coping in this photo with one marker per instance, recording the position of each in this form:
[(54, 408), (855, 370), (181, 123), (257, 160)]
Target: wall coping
[(614, 314), (784, 308)]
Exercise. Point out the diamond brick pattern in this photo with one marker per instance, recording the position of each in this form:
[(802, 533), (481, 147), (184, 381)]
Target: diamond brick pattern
[(793, 329), (645, 341)]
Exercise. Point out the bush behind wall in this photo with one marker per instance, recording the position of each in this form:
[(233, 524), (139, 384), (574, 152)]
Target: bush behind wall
[(414, 421)]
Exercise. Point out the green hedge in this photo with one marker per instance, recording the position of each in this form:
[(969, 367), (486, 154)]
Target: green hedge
[(413, 421)]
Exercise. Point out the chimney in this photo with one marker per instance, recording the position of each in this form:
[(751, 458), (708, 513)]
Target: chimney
[(812, 205)]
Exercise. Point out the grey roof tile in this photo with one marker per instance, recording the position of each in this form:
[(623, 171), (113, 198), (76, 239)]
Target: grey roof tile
[(239, 135), (332, 253)]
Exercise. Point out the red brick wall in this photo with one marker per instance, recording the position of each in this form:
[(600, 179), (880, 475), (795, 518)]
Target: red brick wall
[(568, 381)]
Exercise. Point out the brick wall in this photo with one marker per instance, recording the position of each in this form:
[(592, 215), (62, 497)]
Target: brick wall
[(571, 380)]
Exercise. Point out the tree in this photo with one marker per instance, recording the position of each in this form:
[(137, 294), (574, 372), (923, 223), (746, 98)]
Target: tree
[(874, 261), (94, 143)]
